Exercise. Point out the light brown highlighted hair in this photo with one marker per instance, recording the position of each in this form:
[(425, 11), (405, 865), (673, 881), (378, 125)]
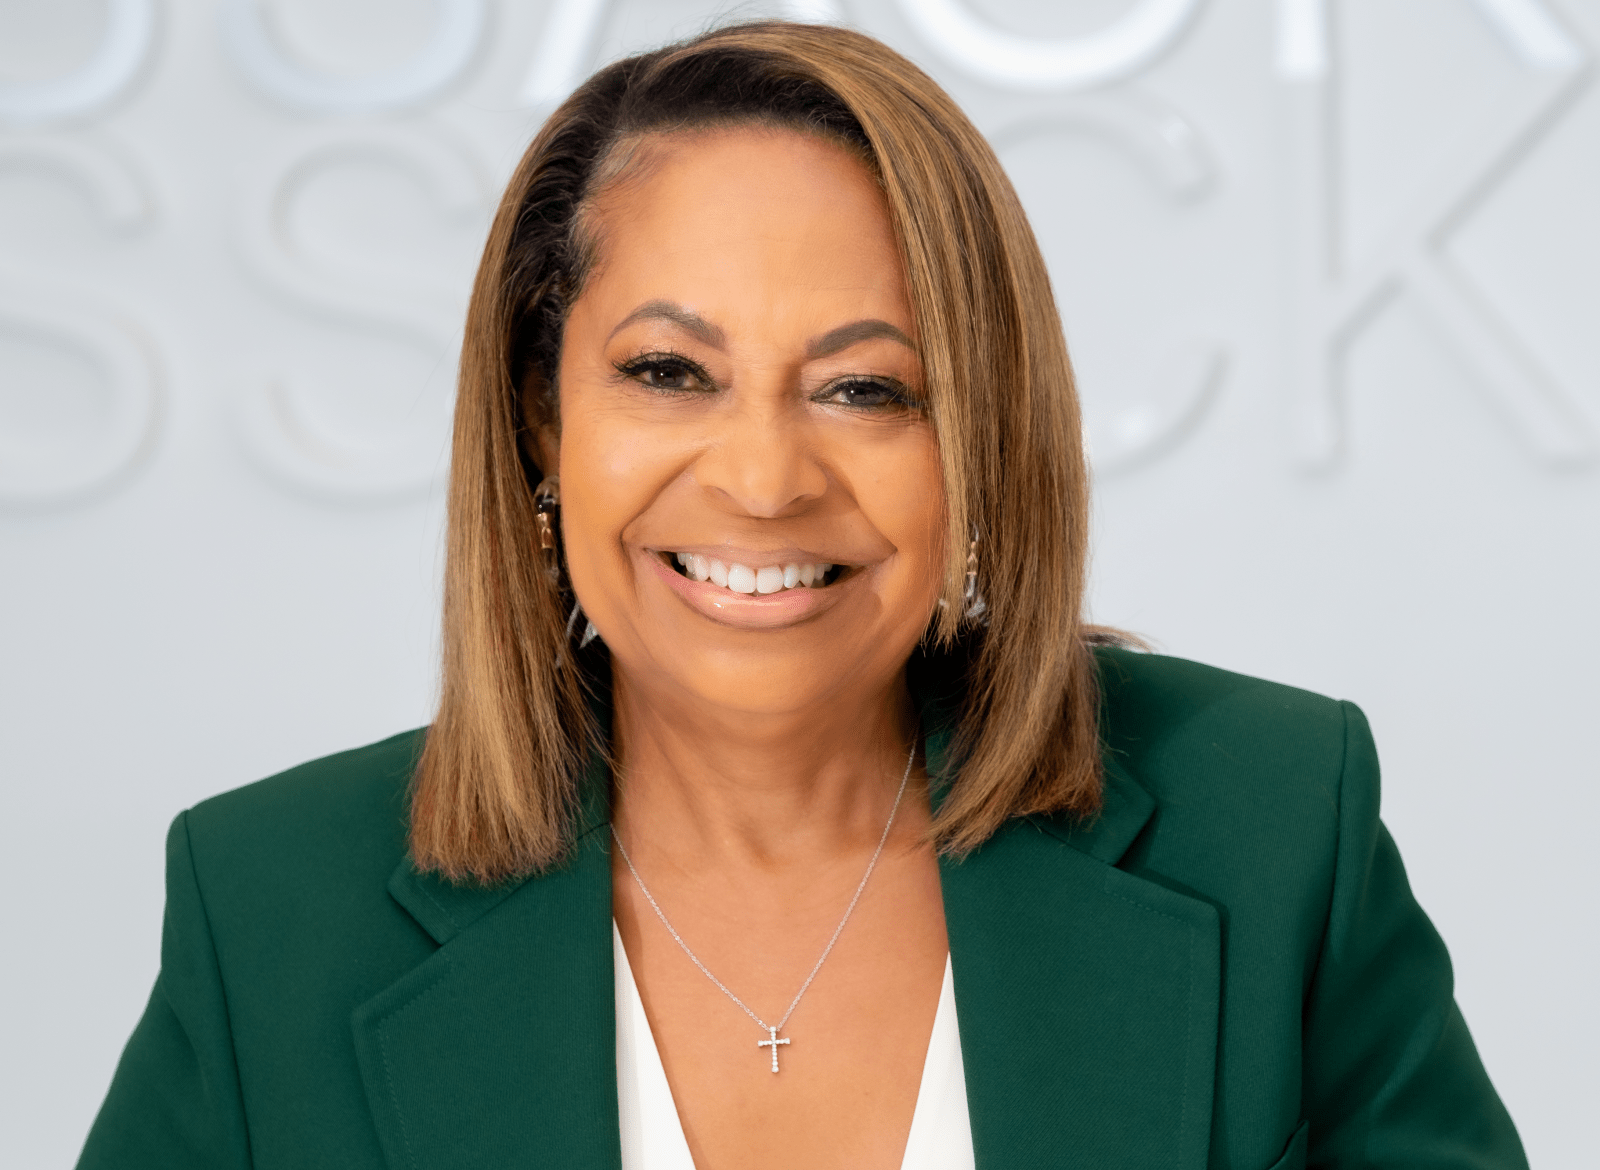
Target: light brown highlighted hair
[(496, 788)]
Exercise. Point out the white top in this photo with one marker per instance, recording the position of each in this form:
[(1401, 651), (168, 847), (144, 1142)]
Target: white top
[(652, 1135)]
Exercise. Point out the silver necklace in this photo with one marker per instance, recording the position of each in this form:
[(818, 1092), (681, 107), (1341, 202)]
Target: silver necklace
[(772, 1042)]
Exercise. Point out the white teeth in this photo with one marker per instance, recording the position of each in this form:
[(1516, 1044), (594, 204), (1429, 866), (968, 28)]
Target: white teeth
[(743, 579)]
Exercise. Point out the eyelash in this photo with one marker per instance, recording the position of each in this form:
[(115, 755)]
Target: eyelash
[(635, 369)]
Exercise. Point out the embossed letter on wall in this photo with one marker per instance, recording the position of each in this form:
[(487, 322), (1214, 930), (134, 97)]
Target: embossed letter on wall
[(38, 311), (276, 425), (1162, 143), (1334, 301), (278, 428)]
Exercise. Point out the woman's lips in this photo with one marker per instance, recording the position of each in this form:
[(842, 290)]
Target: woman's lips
[(782, 607), (742, 578)]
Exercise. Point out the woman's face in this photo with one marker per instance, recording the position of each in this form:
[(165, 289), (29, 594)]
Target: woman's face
[(740, 390)]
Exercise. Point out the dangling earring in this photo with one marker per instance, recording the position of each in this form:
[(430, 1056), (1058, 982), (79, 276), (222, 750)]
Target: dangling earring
[(976, 606), (546, 499), (589, 632)]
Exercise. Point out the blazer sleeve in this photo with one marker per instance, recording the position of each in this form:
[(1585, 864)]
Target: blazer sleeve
[(1392, 1078), (175, 1101)]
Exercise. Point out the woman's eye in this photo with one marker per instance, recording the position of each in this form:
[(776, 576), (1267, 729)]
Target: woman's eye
[(663, 374), (667, 376), (867, 392)]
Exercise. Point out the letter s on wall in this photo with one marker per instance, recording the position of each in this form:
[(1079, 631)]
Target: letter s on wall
[(58, 318), (274, 423)]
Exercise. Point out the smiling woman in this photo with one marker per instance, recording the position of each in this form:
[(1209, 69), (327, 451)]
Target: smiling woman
[(836, 838), (729, 247)]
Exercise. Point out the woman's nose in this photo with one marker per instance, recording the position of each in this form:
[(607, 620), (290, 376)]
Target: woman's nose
[(762, 459)]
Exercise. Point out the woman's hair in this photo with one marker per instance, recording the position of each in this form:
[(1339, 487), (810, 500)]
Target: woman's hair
[(496, 790)]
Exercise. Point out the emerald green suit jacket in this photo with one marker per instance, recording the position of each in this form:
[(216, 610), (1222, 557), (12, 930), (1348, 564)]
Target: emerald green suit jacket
[(1225, 969)]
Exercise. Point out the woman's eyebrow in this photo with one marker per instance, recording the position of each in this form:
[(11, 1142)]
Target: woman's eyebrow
[(691, 323), (825, 345), (845, 336)]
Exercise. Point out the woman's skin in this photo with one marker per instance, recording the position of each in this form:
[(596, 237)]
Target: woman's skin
[(739, 381)]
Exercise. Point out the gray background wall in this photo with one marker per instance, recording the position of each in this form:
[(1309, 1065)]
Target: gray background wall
[(1329, 267)]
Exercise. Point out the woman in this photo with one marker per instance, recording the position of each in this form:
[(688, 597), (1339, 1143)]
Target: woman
[(780, 808)]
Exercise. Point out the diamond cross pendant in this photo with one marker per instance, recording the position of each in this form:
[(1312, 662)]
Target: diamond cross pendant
[(772, 1042)]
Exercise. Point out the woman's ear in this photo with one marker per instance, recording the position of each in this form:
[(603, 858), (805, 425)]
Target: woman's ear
[(540, 439), (547, 441)]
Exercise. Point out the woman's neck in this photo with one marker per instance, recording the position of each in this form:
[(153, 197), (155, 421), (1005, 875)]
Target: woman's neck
[(707, 787)]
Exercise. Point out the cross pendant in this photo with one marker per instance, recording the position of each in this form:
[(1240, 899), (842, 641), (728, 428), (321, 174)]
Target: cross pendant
[(772, 1042)]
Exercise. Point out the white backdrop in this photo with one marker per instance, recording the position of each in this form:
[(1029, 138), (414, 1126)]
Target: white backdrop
[(1330, 270)]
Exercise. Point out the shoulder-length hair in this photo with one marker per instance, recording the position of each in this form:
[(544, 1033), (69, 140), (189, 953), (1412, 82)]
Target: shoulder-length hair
[(496, 789)]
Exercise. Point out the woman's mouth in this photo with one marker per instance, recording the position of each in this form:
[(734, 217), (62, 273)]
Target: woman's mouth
[(740, 578)]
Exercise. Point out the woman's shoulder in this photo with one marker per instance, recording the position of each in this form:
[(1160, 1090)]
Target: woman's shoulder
[(333, 820), (1151, 695), (1249, 794), (1244, 749)]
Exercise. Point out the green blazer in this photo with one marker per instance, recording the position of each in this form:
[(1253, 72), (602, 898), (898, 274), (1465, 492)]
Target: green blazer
[(1225, 969)]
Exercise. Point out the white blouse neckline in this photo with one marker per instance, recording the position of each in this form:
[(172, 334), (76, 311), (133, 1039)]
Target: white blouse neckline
[(652, 1135)]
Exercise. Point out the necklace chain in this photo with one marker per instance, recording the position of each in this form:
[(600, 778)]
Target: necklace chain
[(772, 1030)]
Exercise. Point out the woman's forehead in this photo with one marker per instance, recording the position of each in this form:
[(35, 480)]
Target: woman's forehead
[(748, 213), (732, 179), (634, 158)]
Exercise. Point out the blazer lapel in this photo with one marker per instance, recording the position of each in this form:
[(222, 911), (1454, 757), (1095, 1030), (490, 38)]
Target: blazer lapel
[(1087, 997), (499, 1050)]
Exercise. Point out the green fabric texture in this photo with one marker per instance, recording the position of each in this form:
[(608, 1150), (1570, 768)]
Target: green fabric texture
[(1224, 969)]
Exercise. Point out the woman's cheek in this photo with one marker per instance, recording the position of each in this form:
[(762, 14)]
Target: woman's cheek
[(902, 495), (587, 505)]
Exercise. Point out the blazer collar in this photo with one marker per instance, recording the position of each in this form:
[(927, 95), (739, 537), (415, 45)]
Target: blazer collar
[(500, 1048), (1125, 809), (444, 909), (1087, 1000)]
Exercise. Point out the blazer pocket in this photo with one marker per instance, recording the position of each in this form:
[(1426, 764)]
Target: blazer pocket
[(1294, 1157)]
